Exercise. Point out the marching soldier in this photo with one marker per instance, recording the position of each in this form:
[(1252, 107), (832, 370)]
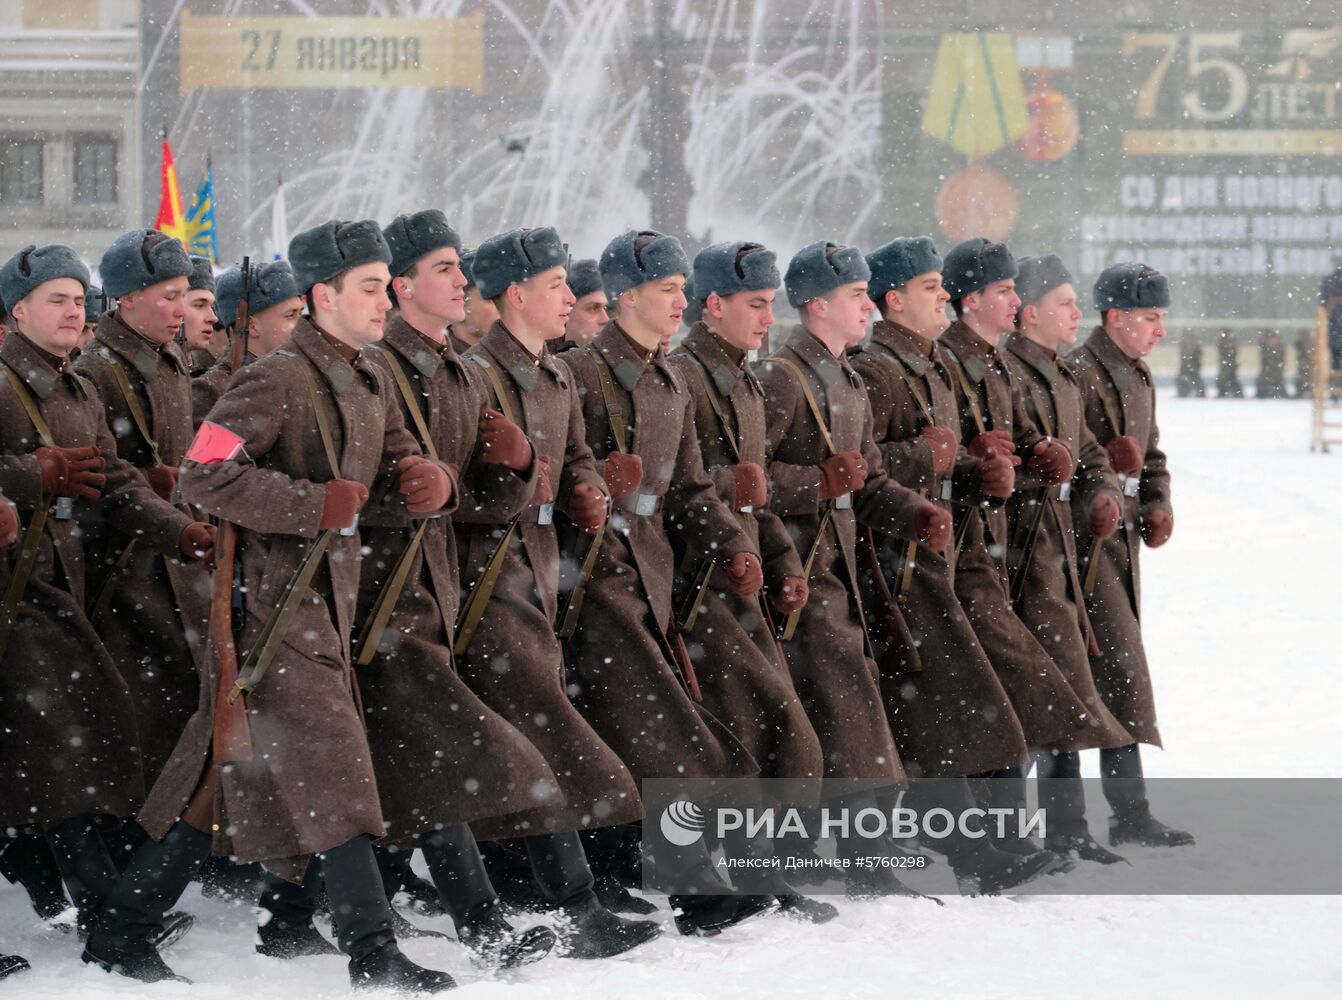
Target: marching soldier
[(825, 477), (1271, 366), (1228, 385), (629, 678), (1046, 587), (951, 714), (68, 733), (480, 313), (589, 314), (508, 649), (274, 307), (1304, 364), (150, 609), (198, 341), (294, 450), (1190, 366), (1119, 399), (731, 639)]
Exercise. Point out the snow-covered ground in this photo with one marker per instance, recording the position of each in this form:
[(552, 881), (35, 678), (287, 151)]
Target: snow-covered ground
[(1248, 670)]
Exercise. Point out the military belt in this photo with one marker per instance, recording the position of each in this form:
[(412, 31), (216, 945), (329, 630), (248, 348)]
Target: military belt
[(640, 504)]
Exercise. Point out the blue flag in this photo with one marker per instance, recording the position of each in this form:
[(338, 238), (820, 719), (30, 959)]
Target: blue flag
[(200, 232)]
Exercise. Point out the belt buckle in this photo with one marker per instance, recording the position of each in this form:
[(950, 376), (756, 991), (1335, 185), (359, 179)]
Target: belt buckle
[(64, 508), (843, 502), (545, 514), (1132, 485), (646, 504), (1065, 491), (350, 530), (946, 487), (747, 509)]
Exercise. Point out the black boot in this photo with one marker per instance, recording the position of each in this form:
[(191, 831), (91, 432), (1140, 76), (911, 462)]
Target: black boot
[(1062, 797), (122, 939), (284, 927), (986, 871), (10, 964), (496, 944), (85, 864), (616, 898), (561, 870), (27, 861), (705, 916), (363, 923), (421, 896), (227, 880), (1004, 790), (1125, 788), (812, 911)]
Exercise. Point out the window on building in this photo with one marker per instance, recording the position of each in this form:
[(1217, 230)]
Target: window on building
[(20, 170), (95, 170)]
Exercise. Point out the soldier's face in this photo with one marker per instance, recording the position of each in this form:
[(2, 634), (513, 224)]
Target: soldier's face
[(995, 306), (198, 326), (272, 326), (86, 337), (587, 318), (544, 303), (437, 286), (846, 310), (359, 308), (656, 306), (47, 315), (1135, 331), (742, 319), (480, 316), (920, 306), (1057, 316), (156, 312)]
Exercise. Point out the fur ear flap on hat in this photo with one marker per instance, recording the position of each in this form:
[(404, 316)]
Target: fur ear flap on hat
[(728, 268), (33, 266), (1038, 276), (975, 264), (201, 277), (636, 258), (584, 277), (1131, 285), (412, 237), (141, 258), (898, 262), (319, 254), (511, 258), (272, 282), (820, 268)]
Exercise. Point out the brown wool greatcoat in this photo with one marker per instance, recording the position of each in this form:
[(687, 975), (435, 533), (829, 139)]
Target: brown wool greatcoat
[(69, 743), (207, 387), (953, 717), (829, 655), (442, 754), (514, 661), (744, 680), (199, 360), (620, 660), (1118, 389), (1049, 601), (310, 786), (156, 622)]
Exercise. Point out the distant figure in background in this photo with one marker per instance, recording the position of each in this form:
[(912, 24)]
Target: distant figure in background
[(1330, 296), (1304, 364), (1271, 366), (1228, 385), (1190, 366)]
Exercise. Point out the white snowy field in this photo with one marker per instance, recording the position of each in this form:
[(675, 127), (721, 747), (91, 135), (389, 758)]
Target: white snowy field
[(1247, 660)]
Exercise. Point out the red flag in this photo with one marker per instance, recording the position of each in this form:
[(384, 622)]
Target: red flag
[(214, 443), (171, 220)]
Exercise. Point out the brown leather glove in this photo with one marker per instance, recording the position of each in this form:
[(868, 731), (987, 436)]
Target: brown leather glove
[(999, 441), (751, 488), (545, 491), (624, 473), (504, 442), (344, 497), (163, 479), (997, 474), (71, 472), (9, 523), (1102, 516), (425, 485), (745, 575), (933, 527), (1125, 455), (197, 543), (1156, 527), (792, 596), (842, 473), (943, 442), (587, 508), (1052, 461)]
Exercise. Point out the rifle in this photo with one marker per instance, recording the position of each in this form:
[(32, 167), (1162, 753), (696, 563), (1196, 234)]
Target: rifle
[(901, 653), (232, 732)]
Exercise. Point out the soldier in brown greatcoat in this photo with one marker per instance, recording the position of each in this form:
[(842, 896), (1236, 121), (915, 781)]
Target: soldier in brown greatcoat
[(1119, 400), (1042, 556), (69, 743), (480, 312), (624, 668), (731, 639), (199, 345), (951, 714), (307, 432), (589, 315), (274, 307), (514, 464), (825, 477), (151, 610), (9, 534)]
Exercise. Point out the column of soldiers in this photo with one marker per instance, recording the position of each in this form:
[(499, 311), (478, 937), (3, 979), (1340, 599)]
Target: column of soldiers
[(488, 558)]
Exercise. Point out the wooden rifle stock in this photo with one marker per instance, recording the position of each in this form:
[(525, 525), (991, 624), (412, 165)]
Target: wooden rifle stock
[(232, 732)]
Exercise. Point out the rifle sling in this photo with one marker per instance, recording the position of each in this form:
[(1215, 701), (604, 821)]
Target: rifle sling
[(408, 395), (137, 414), (971, 393), (719, 411), (370, 637)]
